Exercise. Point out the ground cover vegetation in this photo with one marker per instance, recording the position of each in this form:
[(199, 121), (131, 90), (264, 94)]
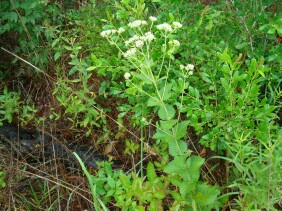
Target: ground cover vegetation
[(183, 99)]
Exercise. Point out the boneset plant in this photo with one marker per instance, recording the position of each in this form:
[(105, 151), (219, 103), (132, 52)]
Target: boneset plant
[(155, 76)]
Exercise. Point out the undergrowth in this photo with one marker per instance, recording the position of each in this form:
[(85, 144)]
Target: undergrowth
[(185, 94)]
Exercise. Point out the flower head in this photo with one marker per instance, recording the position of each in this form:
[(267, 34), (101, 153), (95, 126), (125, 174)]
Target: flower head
[(137, 23), (148, 36), (189, 67), (139, 43), (132, 39), (127, 75), (153, 19), (108, 32), (164, 27), (120, 30), (129, 52), (176, 25), (175, 43)]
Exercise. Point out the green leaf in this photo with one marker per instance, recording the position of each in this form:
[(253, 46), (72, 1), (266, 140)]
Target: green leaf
[(166, 112), (153, 102), (57, 55), (206, 194), (13, 16), (187, 188), (54, 43), (188, 169), (145, 78), (225, 57), (180, 129), (167, 125), (279, 31), (94, 59), (73, 70), (125, 181), (239, 77), (177, 147), (159, 195), (225, 84), (108, 169), (91, 68), (241, 45), (176, 196), (151, 172), (163, 135), (176, 166), (165, 92), (122, 14)]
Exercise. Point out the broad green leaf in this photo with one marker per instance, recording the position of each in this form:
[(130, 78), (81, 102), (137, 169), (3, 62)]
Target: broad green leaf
[(188, 169), (131, 91), (153, 102), (166, 112), (145, 78), (167, 125), (206, 194), (180, 129), (176, 166), (194, 163), (165, 92), (187, 188), (162, 135), (177, 147)]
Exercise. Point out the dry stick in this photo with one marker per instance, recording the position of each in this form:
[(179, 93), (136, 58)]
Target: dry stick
[(54, 180)]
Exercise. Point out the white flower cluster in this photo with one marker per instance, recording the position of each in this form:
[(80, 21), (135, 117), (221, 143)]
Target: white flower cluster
[(127, 75), (137, 23), (188, 67), (108, 32), (139, 43), (121, 30), (164, 27), (176, 25), (148, 36), (139, 40), (132, 39), (130, 52), (153, 19), (175, 43)]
